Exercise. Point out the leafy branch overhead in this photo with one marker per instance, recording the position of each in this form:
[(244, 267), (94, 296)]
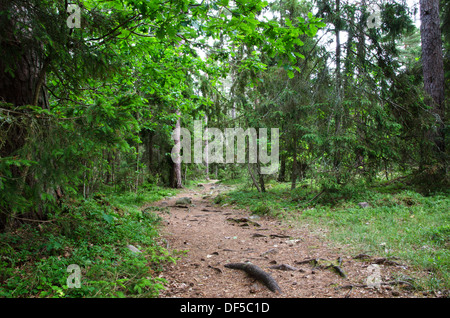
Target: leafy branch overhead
[(94, 109)]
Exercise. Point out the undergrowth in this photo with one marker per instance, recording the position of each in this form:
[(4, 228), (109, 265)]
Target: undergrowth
[(94, 235)]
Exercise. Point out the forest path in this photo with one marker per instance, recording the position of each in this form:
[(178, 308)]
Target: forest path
[(213, 236)]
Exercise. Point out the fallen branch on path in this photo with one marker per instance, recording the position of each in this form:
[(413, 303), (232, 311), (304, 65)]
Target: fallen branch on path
[(279, 236), (320, 263), (257, 273), (243, 221), (206, 210), (379, 260), (284, 267)]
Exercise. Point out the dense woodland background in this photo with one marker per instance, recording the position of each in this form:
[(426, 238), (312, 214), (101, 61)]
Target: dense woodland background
[(91, 110)]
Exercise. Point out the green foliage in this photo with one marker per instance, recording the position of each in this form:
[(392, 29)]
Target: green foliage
[(118, 81), (111, 92), (441, 235), (261, 209), (92, 234), (404, 224)]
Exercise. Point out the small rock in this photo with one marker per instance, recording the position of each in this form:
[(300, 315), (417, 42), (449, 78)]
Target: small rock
[(271, 251), (255, 288), (293, 242), (183, 201), (364, 204), (133, 249)]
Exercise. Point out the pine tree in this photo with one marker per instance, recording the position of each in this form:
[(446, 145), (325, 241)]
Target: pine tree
[(433, 70)]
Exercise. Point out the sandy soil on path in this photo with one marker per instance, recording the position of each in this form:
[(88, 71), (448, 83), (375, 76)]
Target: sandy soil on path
[(214, 235)]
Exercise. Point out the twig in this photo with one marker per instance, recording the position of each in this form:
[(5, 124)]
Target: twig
[(32, 220), (319, 194)]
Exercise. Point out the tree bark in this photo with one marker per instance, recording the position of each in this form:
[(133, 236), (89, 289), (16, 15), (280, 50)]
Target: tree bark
[(261, 177), (433, 68), (282, 174), (206, 148), (22, 76), (253, 177), (176, 182), (294, 168), (338, 103), (257, 273)]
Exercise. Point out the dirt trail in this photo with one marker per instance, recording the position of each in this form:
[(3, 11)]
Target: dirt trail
[(212, 238)]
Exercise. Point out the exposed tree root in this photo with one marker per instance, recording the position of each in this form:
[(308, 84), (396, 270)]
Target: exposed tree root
[(257, 273)]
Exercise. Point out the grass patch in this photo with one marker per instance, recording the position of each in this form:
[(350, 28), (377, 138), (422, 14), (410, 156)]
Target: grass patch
[(92, 234), (275, 202), (399, 221)]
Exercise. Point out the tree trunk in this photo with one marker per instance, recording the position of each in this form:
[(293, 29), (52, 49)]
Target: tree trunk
[(261, 177), (294, 169), (22, 85), (338, 103), (22, 76), (176, 182), (282, 174), (253, 177), (150, 135), (433, 68), (206, 148)]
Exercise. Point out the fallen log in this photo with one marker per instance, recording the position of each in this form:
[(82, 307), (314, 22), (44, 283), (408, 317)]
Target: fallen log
[(257, 273)]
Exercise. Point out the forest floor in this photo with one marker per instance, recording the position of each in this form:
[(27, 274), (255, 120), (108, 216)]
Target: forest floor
[(212, 235)]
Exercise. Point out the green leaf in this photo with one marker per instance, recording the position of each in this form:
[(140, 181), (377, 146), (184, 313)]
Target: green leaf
[(108, 218)]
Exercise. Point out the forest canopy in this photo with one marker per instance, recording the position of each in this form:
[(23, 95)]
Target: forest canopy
[(329, 112), (93, 106)]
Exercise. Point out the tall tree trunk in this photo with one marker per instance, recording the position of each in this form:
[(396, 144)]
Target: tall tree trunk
[(150, 135), (360, 66), (338, 103), (294, 169), (177, 181), (22, 76), (206, 148), (282, 174), (433, 69)]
